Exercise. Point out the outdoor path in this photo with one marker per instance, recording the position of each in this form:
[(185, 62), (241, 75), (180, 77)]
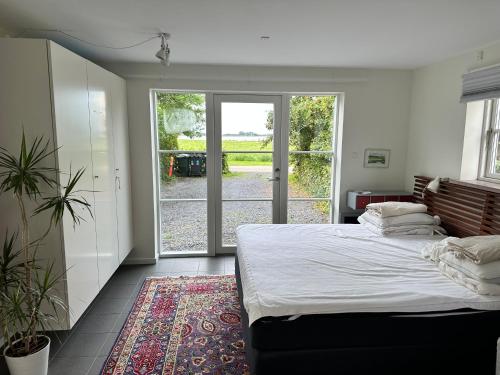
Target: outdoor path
[(252, 168), (184, 224)]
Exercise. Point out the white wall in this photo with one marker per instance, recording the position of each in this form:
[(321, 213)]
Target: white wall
[(376, 113), (437, 118)]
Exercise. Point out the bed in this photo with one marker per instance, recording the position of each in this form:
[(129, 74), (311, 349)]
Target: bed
[(344, 301)]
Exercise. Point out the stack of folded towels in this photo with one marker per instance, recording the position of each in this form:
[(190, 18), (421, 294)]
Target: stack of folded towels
[(399, 218), (473, 262)]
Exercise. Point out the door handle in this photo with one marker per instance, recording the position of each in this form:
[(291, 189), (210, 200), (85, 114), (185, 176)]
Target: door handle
[(273, 179)]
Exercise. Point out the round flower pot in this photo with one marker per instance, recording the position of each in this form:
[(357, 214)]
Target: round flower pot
[(36, 363)]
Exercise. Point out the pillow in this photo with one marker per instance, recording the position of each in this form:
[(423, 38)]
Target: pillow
[(407, 219)]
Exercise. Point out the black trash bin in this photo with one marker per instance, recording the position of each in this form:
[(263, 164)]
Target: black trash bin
[(198, 165), (182, 165)]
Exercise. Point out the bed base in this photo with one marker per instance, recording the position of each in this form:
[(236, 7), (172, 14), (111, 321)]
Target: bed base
[(448, 355)]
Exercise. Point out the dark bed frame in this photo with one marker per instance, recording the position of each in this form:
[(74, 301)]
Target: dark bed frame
[(457, 342)]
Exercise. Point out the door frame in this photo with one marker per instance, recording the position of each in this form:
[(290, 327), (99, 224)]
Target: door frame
[(211, 185), (278, 131)]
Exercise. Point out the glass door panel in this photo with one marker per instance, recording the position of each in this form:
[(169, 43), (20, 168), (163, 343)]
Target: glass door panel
[(310, 159), (247, 172), (182, 168)]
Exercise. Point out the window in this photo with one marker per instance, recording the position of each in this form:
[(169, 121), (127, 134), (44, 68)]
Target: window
[(182, 173), (491, 139)]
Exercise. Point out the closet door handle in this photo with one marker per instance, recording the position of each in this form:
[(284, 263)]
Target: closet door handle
[(118, 181)]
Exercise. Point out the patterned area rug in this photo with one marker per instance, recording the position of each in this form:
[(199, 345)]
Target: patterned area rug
[(185, 325)]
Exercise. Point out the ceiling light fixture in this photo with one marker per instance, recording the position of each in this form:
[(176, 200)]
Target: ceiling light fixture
[(164, 53)]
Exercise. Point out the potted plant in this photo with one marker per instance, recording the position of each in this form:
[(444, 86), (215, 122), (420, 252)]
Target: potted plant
[(29, 304)]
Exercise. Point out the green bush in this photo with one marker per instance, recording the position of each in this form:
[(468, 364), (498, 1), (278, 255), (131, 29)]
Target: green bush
[(311, 129)]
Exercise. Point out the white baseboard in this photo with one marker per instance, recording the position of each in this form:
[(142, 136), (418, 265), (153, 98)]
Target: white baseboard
[(133, 261)]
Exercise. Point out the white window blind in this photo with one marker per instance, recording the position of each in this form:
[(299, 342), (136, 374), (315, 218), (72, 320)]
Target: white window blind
[(481, 84)]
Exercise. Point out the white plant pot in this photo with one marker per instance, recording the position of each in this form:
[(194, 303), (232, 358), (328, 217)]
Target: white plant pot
[(32, 364)]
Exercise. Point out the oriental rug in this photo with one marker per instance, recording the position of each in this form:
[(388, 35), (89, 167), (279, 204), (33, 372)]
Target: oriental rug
[(181, 325)]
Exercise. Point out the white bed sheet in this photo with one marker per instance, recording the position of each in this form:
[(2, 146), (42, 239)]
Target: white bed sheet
[(321, 269)]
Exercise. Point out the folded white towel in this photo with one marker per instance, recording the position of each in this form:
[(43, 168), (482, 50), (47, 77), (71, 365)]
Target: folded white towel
[(477, 286), (434, 250), (418, 218), (387, 209), (402, 230), (479, 249), (489, 272)]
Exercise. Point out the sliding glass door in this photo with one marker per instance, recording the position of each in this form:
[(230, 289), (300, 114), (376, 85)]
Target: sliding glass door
[(247, 163)]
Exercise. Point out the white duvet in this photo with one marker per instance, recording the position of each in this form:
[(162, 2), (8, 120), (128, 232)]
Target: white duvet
[(318, 269)]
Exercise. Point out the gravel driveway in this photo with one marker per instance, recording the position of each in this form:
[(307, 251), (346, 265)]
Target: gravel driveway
[(184, 224)]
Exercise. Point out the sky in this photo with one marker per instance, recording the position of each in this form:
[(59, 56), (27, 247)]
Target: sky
[(246, 117)]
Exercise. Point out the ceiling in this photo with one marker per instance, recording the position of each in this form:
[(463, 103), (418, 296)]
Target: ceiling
[(339, 33)]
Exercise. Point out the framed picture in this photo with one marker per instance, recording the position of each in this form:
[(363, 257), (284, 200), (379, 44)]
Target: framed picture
[(377, 158)]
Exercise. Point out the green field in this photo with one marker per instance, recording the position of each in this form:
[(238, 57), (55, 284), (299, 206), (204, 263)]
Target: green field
[(231, 145)]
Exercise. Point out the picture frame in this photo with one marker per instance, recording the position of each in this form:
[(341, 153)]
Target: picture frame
[(377, 158)]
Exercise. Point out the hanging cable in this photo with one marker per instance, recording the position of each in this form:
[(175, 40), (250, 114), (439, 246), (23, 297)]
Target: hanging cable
[(94, 44)]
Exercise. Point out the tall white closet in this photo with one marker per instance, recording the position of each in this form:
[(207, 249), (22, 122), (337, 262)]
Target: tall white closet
[(52, 92)]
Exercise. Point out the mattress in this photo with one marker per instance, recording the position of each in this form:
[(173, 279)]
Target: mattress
[(294, 270), (367, 330)]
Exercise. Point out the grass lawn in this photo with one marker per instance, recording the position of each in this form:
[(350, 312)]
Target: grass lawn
[(231, 145)]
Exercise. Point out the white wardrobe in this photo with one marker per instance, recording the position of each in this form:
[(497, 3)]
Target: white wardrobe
[(81, 108)]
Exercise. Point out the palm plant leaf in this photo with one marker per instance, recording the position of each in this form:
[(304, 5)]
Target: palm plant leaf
[(65, 201), (25, 173), (10, 267)]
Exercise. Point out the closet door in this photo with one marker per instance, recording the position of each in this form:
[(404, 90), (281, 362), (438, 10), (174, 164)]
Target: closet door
[(100, 109), (122, 167), (70, 100)]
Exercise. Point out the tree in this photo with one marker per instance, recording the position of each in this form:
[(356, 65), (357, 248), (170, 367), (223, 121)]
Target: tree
[(167, 105), (311, 129), (172, 109)]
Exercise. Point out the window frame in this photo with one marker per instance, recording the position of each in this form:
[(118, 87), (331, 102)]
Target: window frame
[(490, 140)]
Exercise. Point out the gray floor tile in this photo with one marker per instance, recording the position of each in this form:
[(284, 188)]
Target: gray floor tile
[(57, 340), (108, 344), (3, 366), (97, 323), (212, 261), (73, 366), (97, 366), (177, 264), (82, 344), (211, 266), (218, 271), (109, 305), (119, 322), (128, 305), (173, 274), (118, 291), (130, 274)]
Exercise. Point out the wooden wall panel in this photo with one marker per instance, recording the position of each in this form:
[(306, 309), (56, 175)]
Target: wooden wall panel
[(465, 209)]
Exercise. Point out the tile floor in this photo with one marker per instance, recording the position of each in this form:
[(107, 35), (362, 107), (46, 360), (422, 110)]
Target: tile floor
[(83, 350)]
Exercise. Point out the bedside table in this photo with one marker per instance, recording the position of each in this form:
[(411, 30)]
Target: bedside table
[(350, 216)]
